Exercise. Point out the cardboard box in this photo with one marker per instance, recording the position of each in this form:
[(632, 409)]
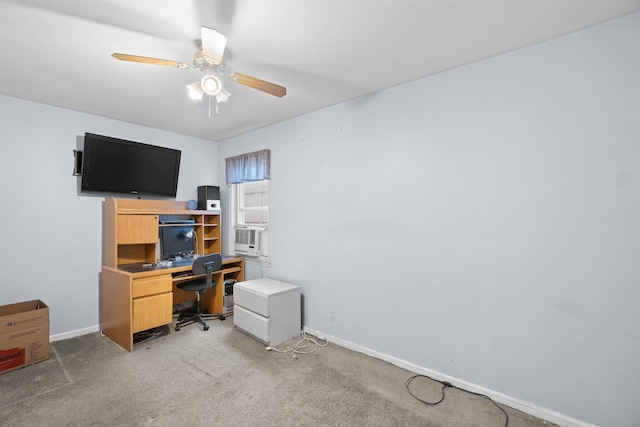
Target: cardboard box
[(24, 334)]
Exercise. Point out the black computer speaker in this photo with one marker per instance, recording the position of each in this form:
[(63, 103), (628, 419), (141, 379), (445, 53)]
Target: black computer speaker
[(209, 198)]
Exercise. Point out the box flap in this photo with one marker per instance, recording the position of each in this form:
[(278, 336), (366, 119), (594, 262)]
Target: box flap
[(23, 315)]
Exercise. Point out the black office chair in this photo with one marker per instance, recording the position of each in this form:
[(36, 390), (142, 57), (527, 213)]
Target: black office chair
[(206, 264)]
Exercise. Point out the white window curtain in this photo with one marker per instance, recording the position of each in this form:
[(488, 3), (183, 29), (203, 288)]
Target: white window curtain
[(246, 167)]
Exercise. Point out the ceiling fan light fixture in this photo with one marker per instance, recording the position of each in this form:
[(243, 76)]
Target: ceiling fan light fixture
[(211, 85), (194, 90), (223, 96)]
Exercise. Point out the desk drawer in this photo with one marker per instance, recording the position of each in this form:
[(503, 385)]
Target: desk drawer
[(152, 311), (151, 286)]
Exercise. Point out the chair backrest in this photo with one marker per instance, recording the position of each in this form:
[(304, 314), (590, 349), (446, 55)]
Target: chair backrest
[(207, 264)]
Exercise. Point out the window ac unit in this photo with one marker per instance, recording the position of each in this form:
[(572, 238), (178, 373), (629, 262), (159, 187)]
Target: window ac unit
[(248, 241)]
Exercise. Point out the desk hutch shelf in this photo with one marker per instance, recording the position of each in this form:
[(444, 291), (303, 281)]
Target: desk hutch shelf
[(133, 229)]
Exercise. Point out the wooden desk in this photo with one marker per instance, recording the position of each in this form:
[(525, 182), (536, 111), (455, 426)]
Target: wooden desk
[(137, 299), (136, 293)]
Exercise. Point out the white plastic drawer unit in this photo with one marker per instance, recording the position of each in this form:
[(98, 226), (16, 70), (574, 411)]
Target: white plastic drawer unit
[(267, 310)]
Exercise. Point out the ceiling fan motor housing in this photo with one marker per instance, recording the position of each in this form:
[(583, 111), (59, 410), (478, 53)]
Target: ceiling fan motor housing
[(201, 60)]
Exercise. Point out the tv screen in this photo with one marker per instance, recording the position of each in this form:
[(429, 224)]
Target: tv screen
[(119, 166), (174, 242)]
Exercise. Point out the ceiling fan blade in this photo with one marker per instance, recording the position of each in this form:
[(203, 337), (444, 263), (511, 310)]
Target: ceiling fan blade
[(147, 60), (213, 44), (255, 83)]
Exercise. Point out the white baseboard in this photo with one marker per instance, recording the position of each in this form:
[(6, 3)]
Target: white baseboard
[(521, 405), (73, 334)]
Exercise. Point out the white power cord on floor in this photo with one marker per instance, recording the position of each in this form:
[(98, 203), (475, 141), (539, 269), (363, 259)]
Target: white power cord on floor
[(302, 347)]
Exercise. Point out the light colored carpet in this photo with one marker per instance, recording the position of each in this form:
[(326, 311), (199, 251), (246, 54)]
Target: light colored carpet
[(223, 377)]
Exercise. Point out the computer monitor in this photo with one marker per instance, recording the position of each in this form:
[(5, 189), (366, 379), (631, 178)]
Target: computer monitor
[(174, 242)]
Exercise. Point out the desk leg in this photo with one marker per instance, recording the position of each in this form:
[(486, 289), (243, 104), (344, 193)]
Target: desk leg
[(116, 307)]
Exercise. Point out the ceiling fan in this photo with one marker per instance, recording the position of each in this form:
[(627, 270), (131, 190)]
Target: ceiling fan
[(209, 59)]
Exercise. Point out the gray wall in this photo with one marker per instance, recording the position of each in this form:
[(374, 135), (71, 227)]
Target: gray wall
[(482, 224), (51, 235)]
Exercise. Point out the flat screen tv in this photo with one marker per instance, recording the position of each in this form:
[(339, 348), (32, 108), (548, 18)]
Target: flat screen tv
[(115, 165)]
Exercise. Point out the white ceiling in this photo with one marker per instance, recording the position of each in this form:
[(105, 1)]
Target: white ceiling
[(325, 52)]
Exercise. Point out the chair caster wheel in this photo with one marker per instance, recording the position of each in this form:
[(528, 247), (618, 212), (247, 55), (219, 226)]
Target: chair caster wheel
[(177, 328), (206, 328), (221, 317)]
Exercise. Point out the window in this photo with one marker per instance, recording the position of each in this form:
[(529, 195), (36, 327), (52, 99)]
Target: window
[(249, 186), (253, 203), (250, 218)]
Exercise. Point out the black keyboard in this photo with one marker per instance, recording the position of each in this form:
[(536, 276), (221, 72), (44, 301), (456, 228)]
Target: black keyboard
[(182, 274)]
